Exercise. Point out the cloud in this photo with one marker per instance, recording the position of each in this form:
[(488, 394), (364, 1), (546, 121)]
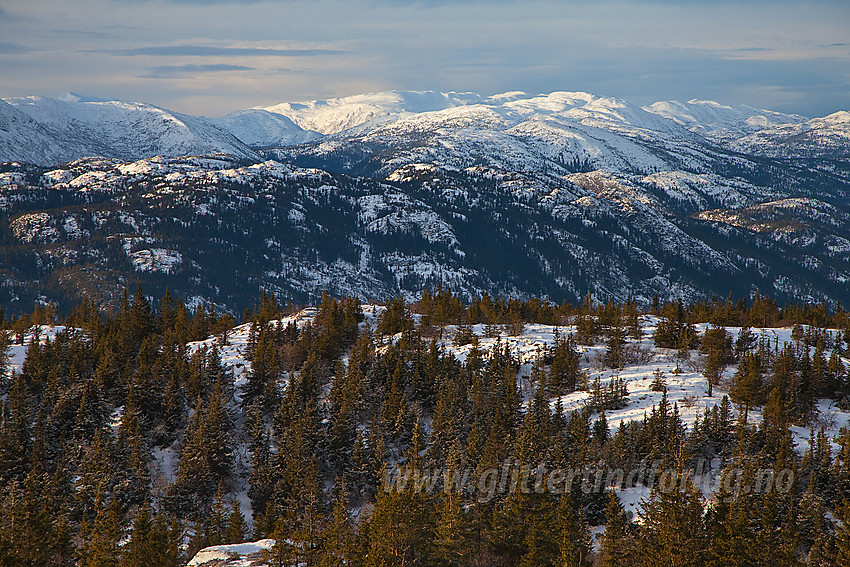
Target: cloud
[(210, 2), (7, 48), (83, 33), (188, 70), (214, 51)]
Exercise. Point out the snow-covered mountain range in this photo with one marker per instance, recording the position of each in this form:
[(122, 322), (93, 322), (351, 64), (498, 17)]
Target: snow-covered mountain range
[(580, 125), (379, 195)]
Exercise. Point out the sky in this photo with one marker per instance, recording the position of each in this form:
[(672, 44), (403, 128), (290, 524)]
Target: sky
[(211, 57)]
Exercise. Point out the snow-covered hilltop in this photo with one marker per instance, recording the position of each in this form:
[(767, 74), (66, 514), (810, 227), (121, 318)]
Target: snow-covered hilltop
[(571, 126), (561, 131), (647, 378), (820, 137), (370, 111), (58, 130), (721, 123)]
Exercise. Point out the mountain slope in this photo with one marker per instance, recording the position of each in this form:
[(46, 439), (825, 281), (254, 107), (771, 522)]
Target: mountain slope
[(212, 229), (817, 138), (121, 130), (23, 139), (721, 123), (564, 133), (565, 130), (257, 127), (339, 114), (560, 132), (574, 193)]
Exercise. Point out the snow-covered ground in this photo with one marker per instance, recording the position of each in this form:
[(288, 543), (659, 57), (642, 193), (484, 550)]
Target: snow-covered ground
[(688, 389), (234, 352), (234, 555), (18, 352)]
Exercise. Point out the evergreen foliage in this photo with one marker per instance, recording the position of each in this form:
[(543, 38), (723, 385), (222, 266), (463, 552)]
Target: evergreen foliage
[(329, 410)]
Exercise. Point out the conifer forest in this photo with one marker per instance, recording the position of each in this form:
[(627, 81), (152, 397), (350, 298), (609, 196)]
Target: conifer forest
[(446, 432)]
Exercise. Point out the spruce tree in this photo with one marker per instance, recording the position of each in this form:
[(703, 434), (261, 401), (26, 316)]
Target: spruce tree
[(453, 545), (574, 539), (100, 548), (152, 542), (617, 542), (237, 527), (400, 527), (339, 539), (672, 530), (842, 534)]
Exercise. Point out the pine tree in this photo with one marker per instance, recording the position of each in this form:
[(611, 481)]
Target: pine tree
[(541, 549), (659, 381), (339, 540), (152, 542), (564, 370), (5, 342), (717, 346), (216, 522), (747, 385), (261, 386), (751, 528), (453, 544), (842, 534), (15, 436), (306, 511), (207, 457)]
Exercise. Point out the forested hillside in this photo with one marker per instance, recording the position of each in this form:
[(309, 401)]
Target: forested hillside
[(385, 194), (441, 432)]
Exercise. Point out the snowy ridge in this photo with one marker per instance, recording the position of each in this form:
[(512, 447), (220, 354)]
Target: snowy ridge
[(523, 129), (376, 110), (257, 127), (339, 114), (721, 123), (820, 137), (24, 139), (688, 388), (558, 132), (109, 129)]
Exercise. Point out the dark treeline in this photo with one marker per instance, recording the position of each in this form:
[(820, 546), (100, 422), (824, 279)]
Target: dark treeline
[(331, 407)]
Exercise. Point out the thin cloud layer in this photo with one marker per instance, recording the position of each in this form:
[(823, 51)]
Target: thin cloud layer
[(214, 51), (7, 48), (191, 70)]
